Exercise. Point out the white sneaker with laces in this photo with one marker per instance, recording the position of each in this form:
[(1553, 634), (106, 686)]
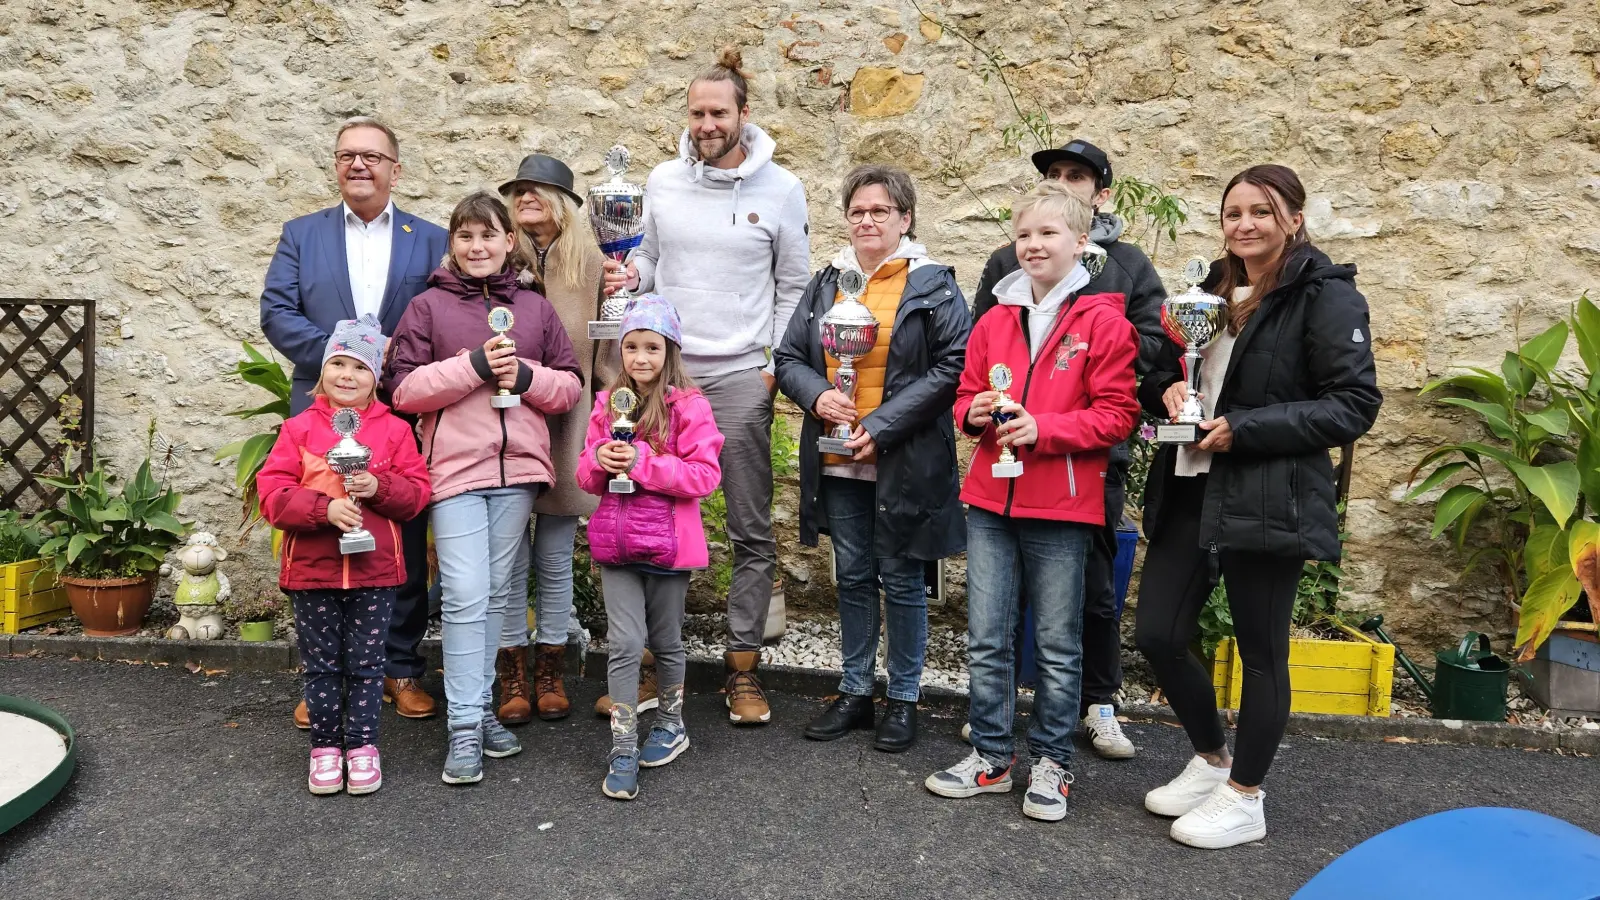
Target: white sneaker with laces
[(1048, 787), (1190, 789), (1228, 818), (1105, 732)]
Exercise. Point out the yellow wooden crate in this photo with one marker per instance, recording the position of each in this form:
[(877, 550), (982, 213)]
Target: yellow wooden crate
[(29, 596), (1352, 678)]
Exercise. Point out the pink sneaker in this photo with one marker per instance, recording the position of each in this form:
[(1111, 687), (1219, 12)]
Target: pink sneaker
[(327, 770), (366, 774)]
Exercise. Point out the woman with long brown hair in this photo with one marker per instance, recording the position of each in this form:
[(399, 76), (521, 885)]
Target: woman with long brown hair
[(1290, 378), (563, 262)]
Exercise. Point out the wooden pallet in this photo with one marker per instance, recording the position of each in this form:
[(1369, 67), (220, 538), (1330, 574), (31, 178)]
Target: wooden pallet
[(1350, 678), (27, 600)]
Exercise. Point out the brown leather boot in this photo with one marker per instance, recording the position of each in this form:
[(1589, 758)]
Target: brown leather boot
[(747, 702), (302, 717), (512, 665), (408, 697), (549, 694), (648, 690)]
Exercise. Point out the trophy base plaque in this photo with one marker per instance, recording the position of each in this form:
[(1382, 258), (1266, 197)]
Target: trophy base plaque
[(1178, 433), (621, 485), (358, 541), (1011, 469), (605, 329), (505, 401), (834, 445)]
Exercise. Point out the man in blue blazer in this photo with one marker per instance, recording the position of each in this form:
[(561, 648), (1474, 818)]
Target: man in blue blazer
[(362, 256)]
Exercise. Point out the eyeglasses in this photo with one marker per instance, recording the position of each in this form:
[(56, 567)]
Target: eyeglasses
[(880, 214), (344, 158)]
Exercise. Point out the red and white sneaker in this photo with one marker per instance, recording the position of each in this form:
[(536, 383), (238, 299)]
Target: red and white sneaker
[(1048, 787), (327, 770), (365, 774), (970, 777)]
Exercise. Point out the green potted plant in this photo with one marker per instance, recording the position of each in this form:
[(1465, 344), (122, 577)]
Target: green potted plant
[(29, 593), (257, 613), (106, 544), (263, 372), (1531, 487)]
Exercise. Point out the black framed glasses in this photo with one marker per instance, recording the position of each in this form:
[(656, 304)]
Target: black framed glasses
[(879, 214), (345, 158)]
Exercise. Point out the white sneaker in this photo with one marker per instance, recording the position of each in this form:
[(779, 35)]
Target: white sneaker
[(1105, 732), (1228, 818), (966, 732), (1190, 789)]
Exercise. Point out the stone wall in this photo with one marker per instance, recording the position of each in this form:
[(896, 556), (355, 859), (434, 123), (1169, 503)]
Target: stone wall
[(150, 150)]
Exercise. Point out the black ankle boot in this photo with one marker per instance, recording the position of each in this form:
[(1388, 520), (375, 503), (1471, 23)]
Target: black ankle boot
[(897, 730), (842, 716)]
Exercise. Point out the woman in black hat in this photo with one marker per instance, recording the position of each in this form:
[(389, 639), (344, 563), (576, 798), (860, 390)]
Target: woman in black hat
[(567, 268)]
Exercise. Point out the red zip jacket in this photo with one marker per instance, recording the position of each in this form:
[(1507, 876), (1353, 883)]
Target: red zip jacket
[(1081, 392), (296, 485)]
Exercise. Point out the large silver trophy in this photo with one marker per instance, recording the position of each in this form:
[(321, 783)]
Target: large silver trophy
[(1193, 319), (616, 211), (849, 332), (349, 458)]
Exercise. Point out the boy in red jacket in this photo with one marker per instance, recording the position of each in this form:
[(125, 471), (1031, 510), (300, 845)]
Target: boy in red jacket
[(342, 601), (1068, 399)]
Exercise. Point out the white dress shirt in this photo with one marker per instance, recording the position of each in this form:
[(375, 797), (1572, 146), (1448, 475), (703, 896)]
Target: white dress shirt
[(367, 246)]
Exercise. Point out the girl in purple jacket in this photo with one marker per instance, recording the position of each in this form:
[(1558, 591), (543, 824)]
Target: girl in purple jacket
[(647, 538)]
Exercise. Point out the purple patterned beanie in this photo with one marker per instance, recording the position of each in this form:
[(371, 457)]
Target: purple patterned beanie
[(358, 339), (652, 312)]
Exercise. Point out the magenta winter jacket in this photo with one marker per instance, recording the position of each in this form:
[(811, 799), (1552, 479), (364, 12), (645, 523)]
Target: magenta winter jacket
[(436, 368), (660, 523)]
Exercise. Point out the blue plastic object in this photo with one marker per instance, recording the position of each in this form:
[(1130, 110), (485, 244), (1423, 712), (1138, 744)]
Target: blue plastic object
[(1479, 852), (1121, 574)]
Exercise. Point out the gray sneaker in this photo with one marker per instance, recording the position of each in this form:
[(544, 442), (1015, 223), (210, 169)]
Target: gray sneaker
[(463, 763), (498, 742)]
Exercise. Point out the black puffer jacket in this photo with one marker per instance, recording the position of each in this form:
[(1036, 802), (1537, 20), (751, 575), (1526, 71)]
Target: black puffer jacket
[(919, 507), (1300, 382)]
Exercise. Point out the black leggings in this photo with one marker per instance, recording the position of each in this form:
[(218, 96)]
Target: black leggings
[(1173, 589)]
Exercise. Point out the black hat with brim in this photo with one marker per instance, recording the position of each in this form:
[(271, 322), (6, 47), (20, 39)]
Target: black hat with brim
[(1079, 152), (541, 169)]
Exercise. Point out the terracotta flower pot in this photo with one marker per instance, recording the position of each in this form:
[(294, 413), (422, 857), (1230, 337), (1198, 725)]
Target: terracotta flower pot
[(110, 607)]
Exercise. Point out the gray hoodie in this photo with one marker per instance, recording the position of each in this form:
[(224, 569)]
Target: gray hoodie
[(730, 248)]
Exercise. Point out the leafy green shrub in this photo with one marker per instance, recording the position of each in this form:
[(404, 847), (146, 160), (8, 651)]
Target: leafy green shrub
[(99, 533), (19, 539), (263, 372)]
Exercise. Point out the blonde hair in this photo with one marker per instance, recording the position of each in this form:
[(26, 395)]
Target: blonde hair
[(729, 68), (572, 252), (1052, 198)]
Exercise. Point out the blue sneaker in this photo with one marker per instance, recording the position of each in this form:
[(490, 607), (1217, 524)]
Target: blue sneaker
[(622, 781), (663, 746)]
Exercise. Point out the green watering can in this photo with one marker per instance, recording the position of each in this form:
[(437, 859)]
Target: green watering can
[(1469, 682)]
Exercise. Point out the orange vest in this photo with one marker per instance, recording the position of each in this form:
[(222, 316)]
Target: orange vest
[(882, 296)]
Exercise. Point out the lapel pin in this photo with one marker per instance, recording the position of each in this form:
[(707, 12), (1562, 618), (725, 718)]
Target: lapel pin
[(406, 228)]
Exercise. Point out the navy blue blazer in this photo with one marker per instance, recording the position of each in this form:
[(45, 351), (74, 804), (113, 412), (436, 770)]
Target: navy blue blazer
[(308, 286)]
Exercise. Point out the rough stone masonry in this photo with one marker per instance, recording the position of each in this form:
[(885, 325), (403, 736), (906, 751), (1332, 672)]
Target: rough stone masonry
[(149, 152)]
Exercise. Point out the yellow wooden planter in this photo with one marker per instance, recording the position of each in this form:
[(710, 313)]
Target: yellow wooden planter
[(26, 600), (1351, 678)]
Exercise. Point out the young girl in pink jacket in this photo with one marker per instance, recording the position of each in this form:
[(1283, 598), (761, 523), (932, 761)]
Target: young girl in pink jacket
[(647, 540), (483, 398)]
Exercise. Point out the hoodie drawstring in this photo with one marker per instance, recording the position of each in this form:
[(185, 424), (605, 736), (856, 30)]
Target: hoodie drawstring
[(736, 183)]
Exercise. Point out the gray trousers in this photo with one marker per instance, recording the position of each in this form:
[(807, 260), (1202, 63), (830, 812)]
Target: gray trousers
[(743, 409), (642, 610)]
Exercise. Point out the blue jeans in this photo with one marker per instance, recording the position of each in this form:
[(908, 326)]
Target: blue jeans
[(852, 508), (553, 538), (1007, 557), (478, 536)]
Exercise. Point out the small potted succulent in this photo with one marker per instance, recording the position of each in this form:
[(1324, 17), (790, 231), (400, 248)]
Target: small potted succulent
[(257, 613)]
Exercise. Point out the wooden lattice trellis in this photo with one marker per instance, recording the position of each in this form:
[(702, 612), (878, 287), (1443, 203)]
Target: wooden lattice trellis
[(46, 366)]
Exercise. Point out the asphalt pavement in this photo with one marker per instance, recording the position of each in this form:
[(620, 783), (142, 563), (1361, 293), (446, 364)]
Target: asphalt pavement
[(193, 785)]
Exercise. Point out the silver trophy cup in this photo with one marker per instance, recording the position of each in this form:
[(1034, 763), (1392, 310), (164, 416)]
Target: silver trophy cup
[(1193, 319), (616, 211), (849, 332), (349, 458)]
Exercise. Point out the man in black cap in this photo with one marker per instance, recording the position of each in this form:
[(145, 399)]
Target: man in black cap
[(1115, 267)]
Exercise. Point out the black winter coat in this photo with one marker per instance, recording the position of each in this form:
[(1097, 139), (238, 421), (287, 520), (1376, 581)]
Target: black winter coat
[(919, 508), (1300, 381)]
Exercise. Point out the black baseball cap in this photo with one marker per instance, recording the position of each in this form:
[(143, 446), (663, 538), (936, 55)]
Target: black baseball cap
[(1077, 151)]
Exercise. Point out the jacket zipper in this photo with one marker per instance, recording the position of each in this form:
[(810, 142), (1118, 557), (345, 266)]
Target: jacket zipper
[(488, 306), (1072, 478), (433, 439), (1027, 384)]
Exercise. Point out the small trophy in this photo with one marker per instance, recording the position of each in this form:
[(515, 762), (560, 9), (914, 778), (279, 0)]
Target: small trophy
[(348, 458), (500, 322), (616, 212), (1000, 379), (1193, 319), (849, 332), (623, 402)]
